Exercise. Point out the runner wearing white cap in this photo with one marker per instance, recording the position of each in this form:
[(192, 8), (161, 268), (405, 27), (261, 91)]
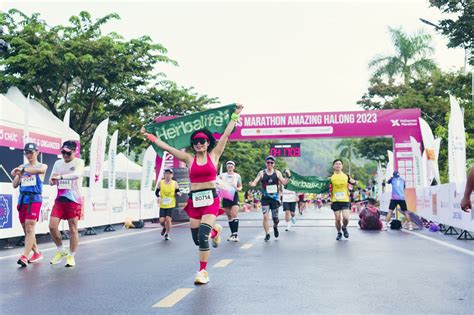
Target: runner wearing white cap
[(231, 207)]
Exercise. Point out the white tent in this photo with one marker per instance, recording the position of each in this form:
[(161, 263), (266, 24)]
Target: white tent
[(123, 164), (41, 120)]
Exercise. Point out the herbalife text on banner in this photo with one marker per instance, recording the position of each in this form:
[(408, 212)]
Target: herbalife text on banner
[(176, 132), (308, 184)]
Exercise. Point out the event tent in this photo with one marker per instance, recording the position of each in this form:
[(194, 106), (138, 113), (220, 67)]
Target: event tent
[(123, 164)]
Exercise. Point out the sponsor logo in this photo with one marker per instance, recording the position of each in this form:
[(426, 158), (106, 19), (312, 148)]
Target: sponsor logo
[(395, 122), (5, 211)]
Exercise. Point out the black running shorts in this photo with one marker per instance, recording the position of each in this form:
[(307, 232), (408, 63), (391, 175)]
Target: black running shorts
[(230, 203), (166, 212), (394, 203), (338, 206), (291, 206)]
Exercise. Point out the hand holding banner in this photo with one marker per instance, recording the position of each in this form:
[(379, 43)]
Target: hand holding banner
[(176, 132)]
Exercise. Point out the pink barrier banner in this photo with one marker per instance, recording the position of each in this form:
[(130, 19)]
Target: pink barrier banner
[(13, 137)]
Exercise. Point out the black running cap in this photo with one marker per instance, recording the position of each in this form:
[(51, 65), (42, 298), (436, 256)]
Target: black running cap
[(270, 157), (30, 146), (71, 145), (169, 170)]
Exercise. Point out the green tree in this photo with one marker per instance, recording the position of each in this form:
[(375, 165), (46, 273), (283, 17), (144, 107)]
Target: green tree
[(98, 76), (249, 158), (348, 151), (431, 95), (410, 57), (459, 30), (374, 149)]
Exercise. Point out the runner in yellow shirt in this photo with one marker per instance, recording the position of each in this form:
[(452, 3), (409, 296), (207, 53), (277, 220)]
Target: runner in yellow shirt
[(340, 198), (166, 191)]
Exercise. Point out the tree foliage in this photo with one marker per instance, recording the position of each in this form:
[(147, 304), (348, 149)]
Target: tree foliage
[(98, 76), (410, 59), (459, 30)]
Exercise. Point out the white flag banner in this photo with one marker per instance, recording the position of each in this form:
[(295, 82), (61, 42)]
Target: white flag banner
[(430, 154), (437, 146), (113, 161), (417, 163), (456, 146), (424, 166), (390, 166), (67, 118), (379, 181), (97, 156), (147, 198)]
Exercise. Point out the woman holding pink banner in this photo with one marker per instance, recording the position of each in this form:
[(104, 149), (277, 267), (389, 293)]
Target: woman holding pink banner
[(203, 205)]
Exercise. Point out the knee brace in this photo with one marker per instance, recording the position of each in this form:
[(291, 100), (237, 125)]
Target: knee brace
[(204, 231), (194, 233), (234, 225)]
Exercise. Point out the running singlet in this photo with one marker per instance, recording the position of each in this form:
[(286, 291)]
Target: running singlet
[(232, 179), (289, 196), (167, 194), (31, 187), (340, 188), (202, 173), (270, 185), (68, 188), (398, 188)]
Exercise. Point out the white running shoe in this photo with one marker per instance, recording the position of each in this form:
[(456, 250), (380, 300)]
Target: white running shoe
[(410, 226), (202, 277), (236, 238), (385, 227)]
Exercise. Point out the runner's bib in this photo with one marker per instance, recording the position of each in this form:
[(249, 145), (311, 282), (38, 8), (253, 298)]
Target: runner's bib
[(28, 181), (166, 201), (202, 198), (340, 195), (272, 189), (64, 184)]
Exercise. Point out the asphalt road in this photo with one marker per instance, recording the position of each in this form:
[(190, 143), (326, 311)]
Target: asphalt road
[(305, 271)]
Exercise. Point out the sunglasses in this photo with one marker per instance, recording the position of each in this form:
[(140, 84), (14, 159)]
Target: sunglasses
[(66, 153), (270, 162), (197, 141), (27, 152)]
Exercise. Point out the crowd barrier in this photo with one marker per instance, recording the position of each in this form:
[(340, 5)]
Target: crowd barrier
[(440, 204), (114, 207)]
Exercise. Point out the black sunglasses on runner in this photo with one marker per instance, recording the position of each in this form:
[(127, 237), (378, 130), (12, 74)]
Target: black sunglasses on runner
[(27, 152), (270, 162), (66, 153), (197, 141)]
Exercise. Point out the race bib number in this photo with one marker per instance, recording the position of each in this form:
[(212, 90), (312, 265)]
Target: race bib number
[(272, 189), (340, 195), (28, 181), (202, 198), (166, 201), (64, 184)]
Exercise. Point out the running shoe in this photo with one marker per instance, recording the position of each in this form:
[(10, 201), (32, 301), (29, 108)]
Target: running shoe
[(236, 238), (339, 236), (70, 261), (167, 237), (163, 231), (410, 226), (346, 232), (23, 261), (217, 239), (58, 257), (275, 231), (287, 227), (384, 227), (36, 257), (267, 237), (293, 220), (230, 238), (202, 277)]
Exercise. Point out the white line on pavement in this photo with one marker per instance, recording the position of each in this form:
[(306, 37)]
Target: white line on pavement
[(97, 240), (223, 263), (460, 249), (173, 298)]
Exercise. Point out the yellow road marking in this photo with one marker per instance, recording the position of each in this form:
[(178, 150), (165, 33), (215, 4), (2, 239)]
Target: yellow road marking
[(222, 263), (173, 298), (246, 246)]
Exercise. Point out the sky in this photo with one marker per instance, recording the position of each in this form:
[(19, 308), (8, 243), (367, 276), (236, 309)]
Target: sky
[(271, 56)]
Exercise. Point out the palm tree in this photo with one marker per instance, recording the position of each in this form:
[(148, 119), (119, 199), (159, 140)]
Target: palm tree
[(410, 57), (348, 150)]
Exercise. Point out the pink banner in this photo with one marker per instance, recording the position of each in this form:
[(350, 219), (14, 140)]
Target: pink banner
[(13, 137), (398, 124)]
